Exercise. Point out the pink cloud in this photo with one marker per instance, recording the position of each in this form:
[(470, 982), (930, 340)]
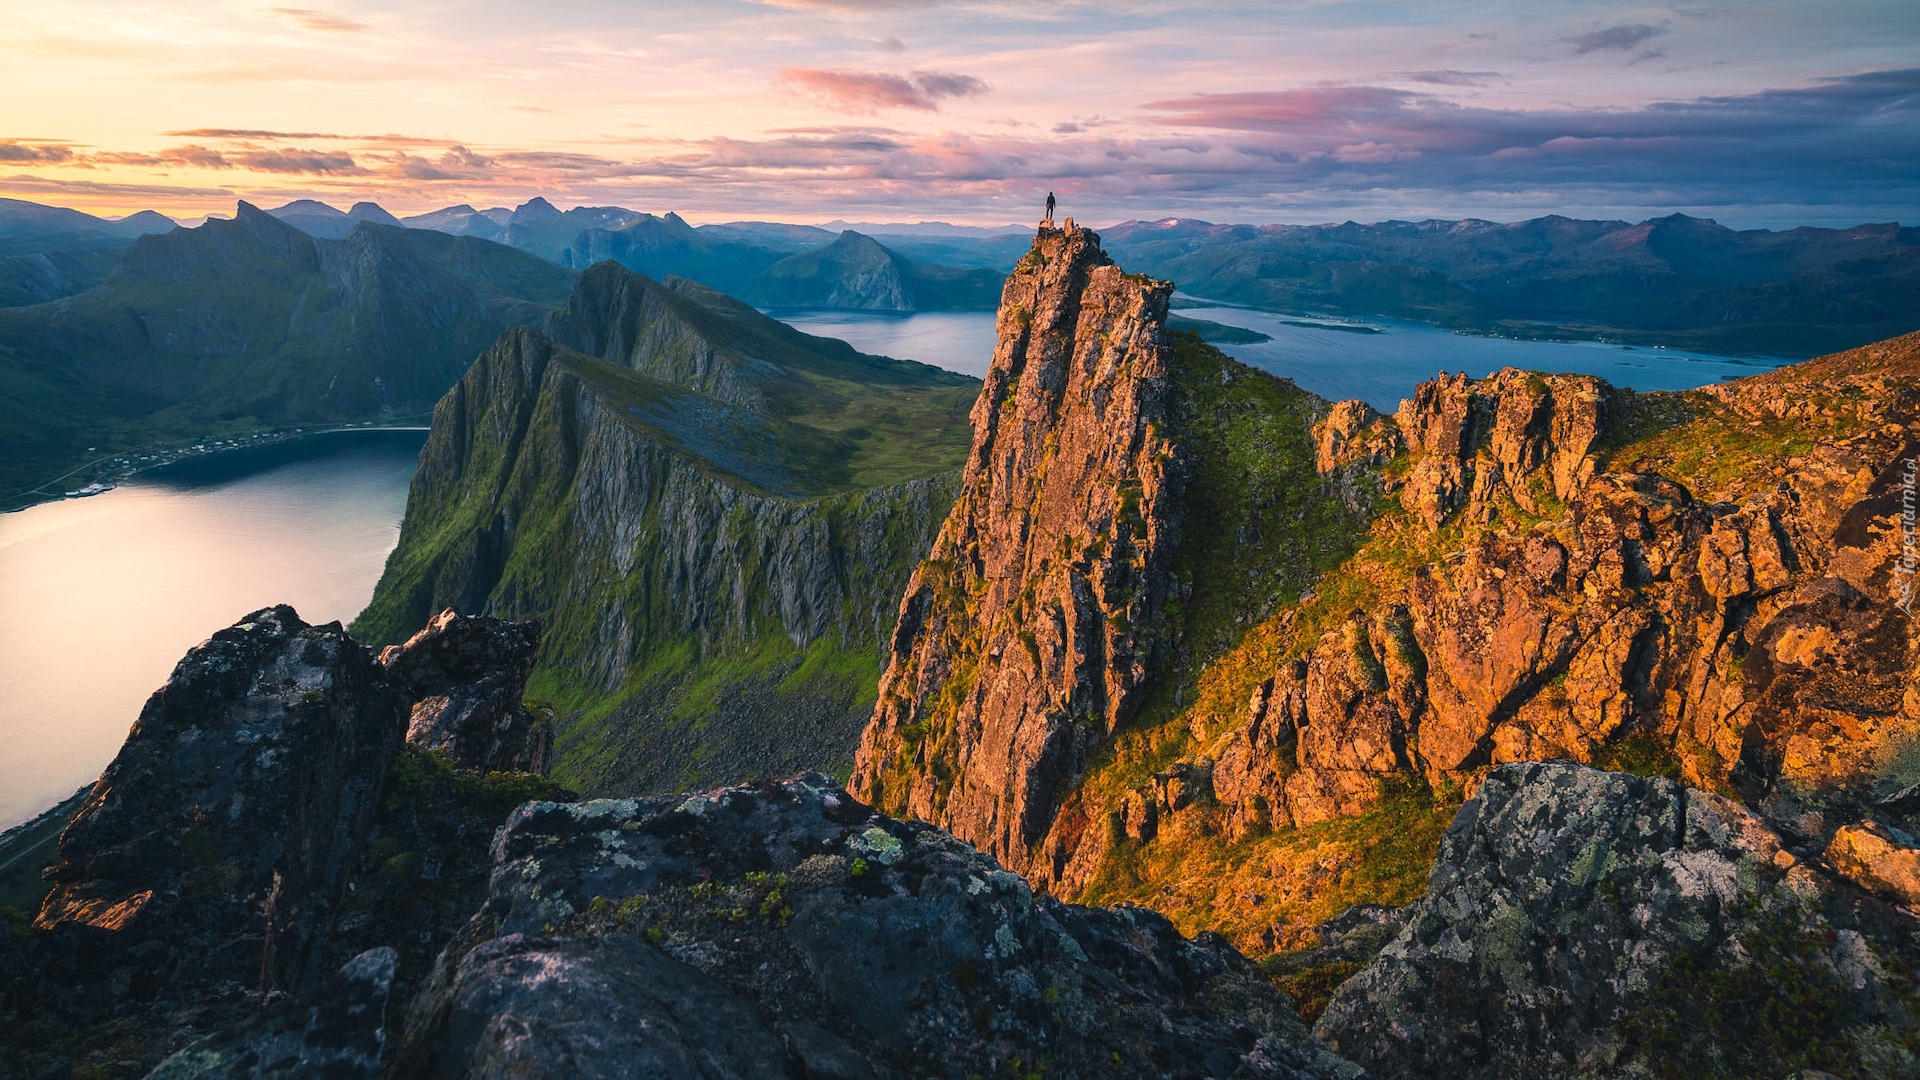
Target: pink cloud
[(871, 91), (40, 154), (320, 162)]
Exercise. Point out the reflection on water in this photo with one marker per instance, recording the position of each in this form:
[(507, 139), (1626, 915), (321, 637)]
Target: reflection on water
[(956, 340), (1336, 363), (100, 597)]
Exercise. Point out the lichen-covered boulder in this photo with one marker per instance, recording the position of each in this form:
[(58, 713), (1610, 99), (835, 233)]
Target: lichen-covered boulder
[(784, 929), (1581, 922), (466, 675)]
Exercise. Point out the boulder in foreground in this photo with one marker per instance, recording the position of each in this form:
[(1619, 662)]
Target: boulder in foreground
[(1581, 922), (785, 930)]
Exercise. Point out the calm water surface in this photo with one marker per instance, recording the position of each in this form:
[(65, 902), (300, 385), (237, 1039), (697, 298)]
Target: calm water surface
[(1379, 367), (100, 597), (956, 340)]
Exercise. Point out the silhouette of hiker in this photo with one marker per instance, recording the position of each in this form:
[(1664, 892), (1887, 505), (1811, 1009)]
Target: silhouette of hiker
[(1049, 207)]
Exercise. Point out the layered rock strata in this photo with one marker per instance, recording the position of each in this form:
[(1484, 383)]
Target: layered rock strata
[(1029, 632)]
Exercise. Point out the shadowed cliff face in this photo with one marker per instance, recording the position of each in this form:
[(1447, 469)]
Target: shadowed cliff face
[(266, 820), (252, 773), (711, 514), (1027, 634)]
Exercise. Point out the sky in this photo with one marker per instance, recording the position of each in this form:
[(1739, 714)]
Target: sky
[(1759, 113)]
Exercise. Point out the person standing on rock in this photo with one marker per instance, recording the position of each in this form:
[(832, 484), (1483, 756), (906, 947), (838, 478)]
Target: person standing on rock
[(1049, 218)]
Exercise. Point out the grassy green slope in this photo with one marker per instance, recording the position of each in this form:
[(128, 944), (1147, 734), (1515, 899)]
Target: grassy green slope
[(714, 578)]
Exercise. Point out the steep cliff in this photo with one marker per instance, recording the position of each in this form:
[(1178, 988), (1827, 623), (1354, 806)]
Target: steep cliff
[(1128, 495), (1705, 586), (711, 514), (1349, 622)]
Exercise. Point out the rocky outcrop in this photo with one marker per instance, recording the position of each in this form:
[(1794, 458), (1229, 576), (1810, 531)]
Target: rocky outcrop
[(639, 483), (1881, 860), (342, 1035), (215, 846), (1580, 922), (263, 824), (1571, 604), (784, 929), (466, 676), (1476, 441), (1029, 632)]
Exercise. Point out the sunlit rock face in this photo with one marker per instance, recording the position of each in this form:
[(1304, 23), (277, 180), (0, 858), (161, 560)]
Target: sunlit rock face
[(1029, 633)]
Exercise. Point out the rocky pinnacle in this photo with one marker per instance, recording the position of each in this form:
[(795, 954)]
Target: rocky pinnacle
[(1028, 634)]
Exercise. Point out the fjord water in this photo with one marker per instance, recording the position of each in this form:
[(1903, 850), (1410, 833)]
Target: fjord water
[(1380, 361), (959, 341), (100, 597)]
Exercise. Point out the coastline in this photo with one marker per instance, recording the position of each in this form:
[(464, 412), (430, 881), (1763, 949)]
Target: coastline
[(108, 471)]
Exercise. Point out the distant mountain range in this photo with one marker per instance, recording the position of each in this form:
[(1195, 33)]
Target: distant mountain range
[(47, 252), (1675, 280), (118, 333), (253, 323), (768, 264)]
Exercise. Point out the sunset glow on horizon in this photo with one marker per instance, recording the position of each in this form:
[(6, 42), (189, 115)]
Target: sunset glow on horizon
[(1766, 114)]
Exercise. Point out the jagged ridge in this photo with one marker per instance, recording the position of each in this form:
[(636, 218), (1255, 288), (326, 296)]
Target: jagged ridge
[(712, 517)]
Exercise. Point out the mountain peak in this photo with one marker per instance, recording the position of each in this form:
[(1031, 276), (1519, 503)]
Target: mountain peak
[(374, 212), (534, 211), (1054, 559), (306, 207)]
